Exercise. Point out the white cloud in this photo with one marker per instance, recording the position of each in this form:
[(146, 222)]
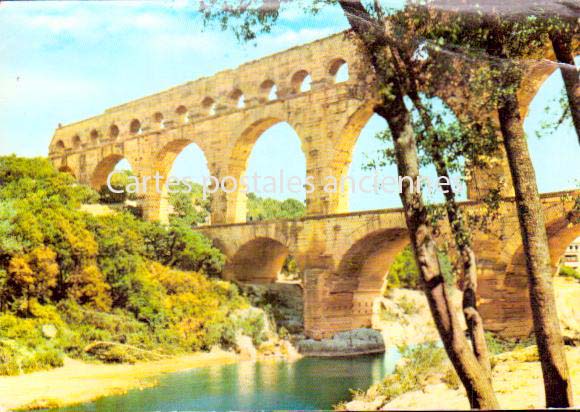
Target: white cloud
[(290, 38)]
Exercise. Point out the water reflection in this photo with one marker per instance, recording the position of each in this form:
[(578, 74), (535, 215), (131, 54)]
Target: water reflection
[(309, 383)]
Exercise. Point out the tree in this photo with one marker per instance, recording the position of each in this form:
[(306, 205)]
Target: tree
[(88, 286), (562, 29), (190, 208), (379, 44), (34, 275), (260, 208), (501, 41)]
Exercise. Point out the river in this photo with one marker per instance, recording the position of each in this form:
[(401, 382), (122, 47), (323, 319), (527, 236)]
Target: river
[(307, 384)]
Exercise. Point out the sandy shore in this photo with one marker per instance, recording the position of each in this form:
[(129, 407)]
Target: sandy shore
[(518, 385), (79, 381)]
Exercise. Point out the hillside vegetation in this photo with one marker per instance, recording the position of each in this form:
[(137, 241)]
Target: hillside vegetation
[(113, 288)]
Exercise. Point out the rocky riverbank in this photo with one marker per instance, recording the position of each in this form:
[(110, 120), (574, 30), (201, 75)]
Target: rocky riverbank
[(517, 380), (517, 376)]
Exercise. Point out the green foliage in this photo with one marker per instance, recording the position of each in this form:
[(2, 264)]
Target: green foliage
[(178, 246), (420, 361), (404, 273), (119, 182), (266, 208), (569, 272), (114, 281), (189, 208), (497, 344), (408, 306)]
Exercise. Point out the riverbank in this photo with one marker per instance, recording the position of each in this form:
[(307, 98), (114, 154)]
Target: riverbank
[(517, 381), (517, 375), (78, 381)]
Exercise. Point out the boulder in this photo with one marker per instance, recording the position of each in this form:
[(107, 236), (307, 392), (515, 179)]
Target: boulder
[(354, 342), (245, 347), (49, 331)]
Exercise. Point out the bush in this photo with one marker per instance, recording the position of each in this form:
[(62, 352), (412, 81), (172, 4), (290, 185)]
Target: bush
[(404, 273), (408, 306), (409, 375), (42, 360), (451, 378), (569, 272), (8, 363), (496, 344)]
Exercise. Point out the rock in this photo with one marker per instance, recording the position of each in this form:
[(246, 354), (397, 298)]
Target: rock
[(354, 342), (567, 292), (404, 317), (359, 405), (289, 350), (245, 347), (49, 331)]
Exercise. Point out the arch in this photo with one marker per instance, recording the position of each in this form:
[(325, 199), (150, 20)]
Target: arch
[(158, 118), (338, 69), (560, 234), (67, 169), (243, 146), (76, 142), (269, 90), (209, 105), (238, 99), (59, 147), (238, 163), (369, 258), (259, 260), (301, 81), (182, 114), (362, 270), (167, 155), (135, 126), (159, 206), (556, 142), (113, 131), (344, 149), (94, 136), (102, 170), (347, 139)]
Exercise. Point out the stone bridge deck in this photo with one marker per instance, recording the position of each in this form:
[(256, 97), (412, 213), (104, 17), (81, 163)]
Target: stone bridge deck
[(345, 258)]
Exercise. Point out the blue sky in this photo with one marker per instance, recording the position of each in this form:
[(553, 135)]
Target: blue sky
[(65, 61)]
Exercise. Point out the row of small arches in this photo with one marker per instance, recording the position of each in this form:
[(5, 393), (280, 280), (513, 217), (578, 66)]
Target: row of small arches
[(300, 83)]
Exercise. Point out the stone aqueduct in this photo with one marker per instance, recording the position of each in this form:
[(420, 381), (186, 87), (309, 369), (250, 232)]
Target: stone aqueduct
[(344, 256)]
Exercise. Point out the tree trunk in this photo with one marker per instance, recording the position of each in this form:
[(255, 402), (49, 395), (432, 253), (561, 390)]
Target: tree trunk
[(562, 45), (557, 384), (472, 375), (462, 242)]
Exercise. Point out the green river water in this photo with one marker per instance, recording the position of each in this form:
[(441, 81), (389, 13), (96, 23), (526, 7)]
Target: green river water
[(307, 384)]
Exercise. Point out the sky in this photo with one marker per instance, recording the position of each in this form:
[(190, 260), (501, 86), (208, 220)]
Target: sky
[(64, 61)]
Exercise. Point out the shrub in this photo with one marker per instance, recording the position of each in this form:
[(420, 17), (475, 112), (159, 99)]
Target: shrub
[(42, 360), (569, 272), (409, 375), (451, 378), (408, 306), (496, 344), (8, 363), (387, 314), (404, 273)]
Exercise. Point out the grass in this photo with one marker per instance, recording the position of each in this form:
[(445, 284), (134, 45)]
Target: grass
[(419, 362)]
